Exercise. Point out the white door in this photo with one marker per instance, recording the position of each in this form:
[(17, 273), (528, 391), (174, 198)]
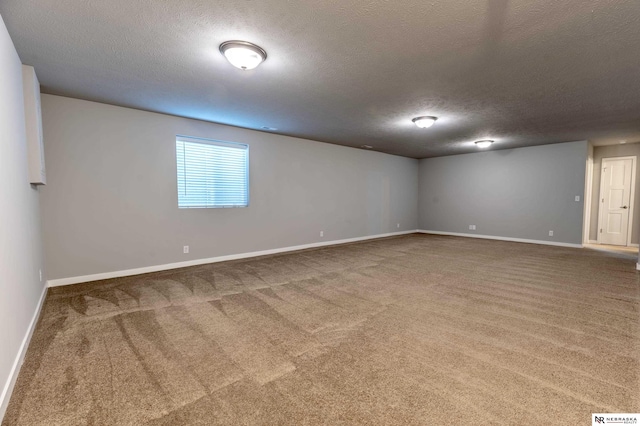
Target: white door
[(618, 176)]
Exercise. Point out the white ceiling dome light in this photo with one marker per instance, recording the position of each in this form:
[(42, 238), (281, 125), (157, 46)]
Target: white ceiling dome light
[(484, 144), (425, 122), (242, 54)]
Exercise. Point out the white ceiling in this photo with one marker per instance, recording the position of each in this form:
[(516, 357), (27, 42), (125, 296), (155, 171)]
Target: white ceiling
[(353, 72)]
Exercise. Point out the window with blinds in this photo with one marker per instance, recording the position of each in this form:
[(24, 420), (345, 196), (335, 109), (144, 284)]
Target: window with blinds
[(212, 174)]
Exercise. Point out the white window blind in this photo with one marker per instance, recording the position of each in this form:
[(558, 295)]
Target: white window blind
[(212, 173)]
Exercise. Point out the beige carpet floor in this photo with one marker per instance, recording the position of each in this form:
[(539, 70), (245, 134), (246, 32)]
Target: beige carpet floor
[(414, 330)]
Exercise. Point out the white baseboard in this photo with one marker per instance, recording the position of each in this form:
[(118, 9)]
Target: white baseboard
[(17, 364), (493, 237), (168, 266), (596, 242)]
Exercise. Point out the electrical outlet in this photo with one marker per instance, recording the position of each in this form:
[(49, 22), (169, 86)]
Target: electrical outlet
[(185, 249), (551, 233), (577, 198), (398, 226), (472, 227), (322, 233)]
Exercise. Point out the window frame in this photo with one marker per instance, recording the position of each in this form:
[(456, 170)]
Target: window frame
[(215, 142)]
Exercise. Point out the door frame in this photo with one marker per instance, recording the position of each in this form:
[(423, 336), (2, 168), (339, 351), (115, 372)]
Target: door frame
[(587, 198), (631, 198)]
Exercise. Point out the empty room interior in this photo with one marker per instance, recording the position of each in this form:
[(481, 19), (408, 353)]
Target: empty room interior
[(303, 213)]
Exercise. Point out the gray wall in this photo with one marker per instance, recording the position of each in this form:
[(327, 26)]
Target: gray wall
[(20, 246), (111, 203), (600, 152), (517, 193)]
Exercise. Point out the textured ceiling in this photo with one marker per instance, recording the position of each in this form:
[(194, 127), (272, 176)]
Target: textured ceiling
[(353, 72)]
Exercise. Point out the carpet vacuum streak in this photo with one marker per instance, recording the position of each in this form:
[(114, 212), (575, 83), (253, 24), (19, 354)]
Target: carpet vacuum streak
[(411, 330)]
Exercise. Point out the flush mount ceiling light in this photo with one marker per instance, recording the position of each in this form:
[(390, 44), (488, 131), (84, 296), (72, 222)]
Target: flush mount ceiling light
[(484, 144), (242, 54), (425, 122)]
